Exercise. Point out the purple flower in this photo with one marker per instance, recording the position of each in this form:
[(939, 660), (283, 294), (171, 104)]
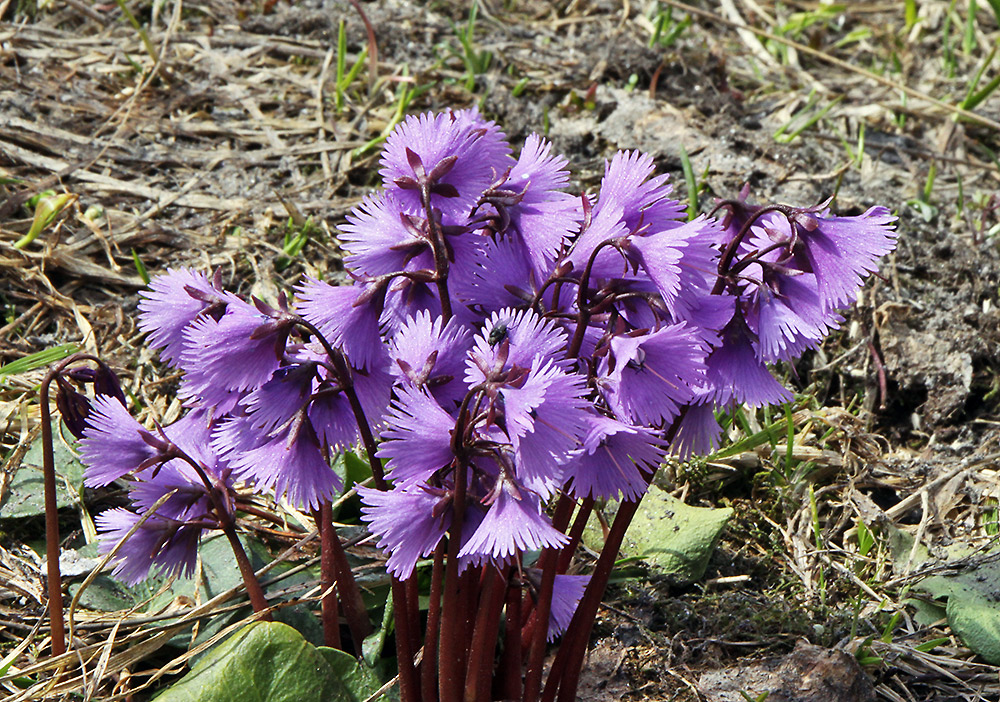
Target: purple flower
[(409, 521), (282, 397), (650, 376), (115, 444), (168, 545), (544, 417), (567, 591), (457, 154), (520, 336), (430, 355), (237, 353), (172, 302), (736, 373), (291, 462), (844, 250), (643, 201), (417, 440), (661, 253), (698, 432), (605, 224), (514, 524), (502, 276), (608, 466), (348, 316), (539, 215), (380, 236), (192, 434), (785, 314)]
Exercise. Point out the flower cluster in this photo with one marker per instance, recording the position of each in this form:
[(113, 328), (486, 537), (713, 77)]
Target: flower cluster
[(506, 341)]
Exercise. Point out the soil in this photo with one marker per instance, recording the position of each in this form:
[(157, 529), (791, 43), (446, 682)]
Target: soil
[(203, 158)]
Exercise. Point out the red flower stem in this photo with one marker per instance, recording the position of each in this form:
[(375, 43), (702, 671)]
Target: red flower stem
[(347, 587), (327, 580), (575, 534), (254, 591), (57, 626), (484, 636), (510, 664), (413, 607), (565, 672), (450, 663), (562, 512), (409, 689), (536, 652), (429, 663)]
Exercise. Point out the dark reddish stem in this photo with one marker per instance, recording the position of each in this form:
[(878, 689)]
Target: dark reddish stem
[(327, 579), (409, 688), (484, 636), (575, 534), (57, 626), (510, 665), (429, 663), (565, 672), (347, 587), (453, 640), (254, 591)]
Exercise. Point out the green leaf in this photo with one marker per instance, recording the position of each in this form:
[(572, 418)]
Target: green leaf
[(26, 497), (358, 678), (267, 662), (973, 604), (371, 647), (672, 537)]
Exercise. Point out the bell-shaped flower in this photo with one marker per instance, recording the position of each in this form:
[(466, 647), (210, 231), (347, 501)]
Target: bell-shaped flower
[(347, 315), (513, 338), (409, 521), (235, 354), (844, 250), (567, 591), (699, 432), (172, 302), (514, 523), (613, 460), (115, 444), (430, 355), (736, 373), (380, 237), (162, 545), (643, 200), (545, 417), (648, 377), (454, 154), (291, 462), (417, 439), (538, 214)]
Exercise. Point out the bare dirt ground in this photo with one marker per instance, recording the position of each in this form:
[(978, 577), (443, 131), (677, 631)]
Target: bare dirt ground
[(223, 135)]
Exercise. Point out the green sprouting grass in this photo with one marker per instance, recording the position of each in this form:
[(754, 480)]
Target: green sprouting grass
[(667, 30), (804, 118), (39, 359), (477, 62), (143, 35), (345, 77), (692, 183)]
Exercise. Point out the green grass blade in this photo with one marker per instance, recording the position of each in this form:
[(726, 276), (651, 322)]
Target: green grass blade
[(692, 183), (38, 359)]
